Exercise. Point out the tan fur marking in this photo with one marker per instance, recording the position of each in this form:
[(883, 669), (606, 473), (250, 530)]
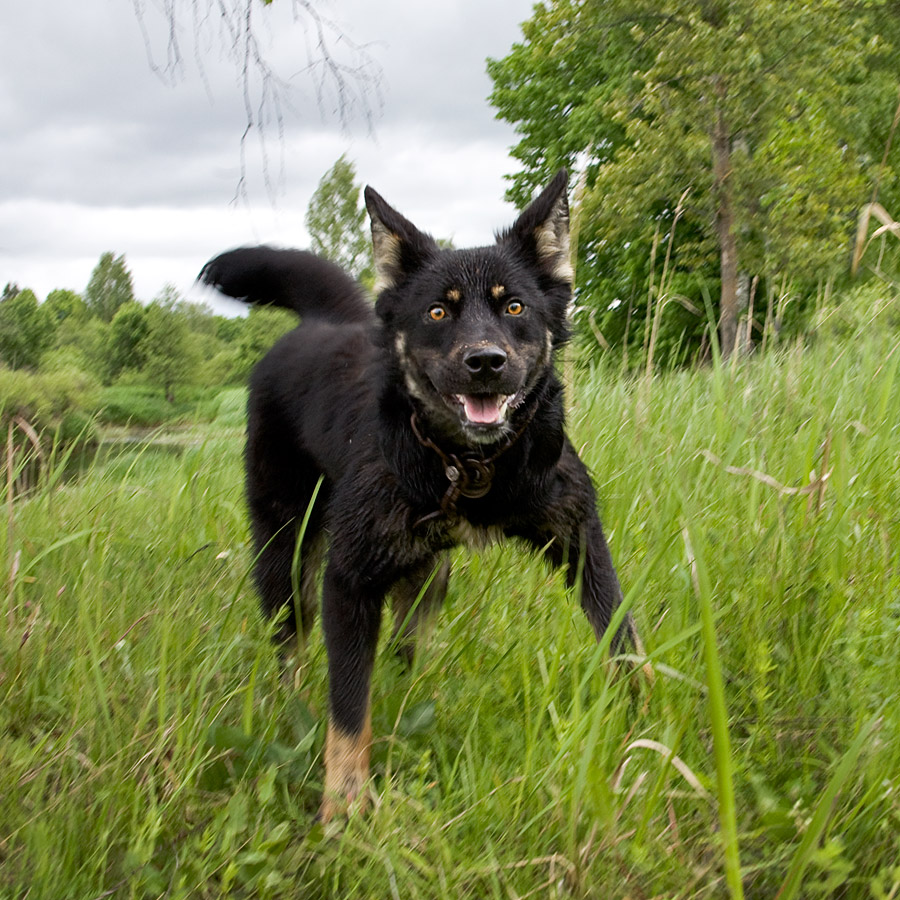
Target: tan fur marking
[(386, 250), (475, 537), (346, 769), (454, 295), (497, 291), (553, 244)]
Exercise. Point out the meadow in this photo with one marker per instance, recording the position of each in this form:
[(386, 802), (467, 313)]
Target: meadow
[(150, 749)]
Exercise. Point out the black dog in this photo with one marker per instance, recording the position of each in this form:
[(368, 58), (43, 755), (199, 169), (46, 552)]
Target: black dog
[(432, 418)]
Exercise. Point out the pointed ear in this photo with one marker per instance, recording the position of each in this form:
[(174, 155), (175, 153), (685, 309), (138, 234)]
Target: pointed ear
[(541, 233), (399, 247)]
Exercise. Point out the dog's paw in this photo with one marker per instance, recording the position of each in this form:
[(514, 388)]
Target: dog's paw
[(346, 772), (343, 806)]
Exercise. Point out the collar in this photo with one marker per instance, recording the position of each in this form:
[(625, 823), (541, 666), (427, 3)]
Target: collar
[(469, 474)]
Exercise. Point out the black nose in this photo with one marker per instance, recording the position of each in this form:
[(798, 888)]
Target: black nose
[(485, 360)]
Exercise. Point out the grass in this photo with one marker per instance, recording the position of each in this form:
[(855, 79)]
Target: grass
[(149, 749)]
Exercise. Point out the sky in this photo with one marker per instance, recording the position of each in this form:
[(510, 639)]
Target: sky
[(106, 147)]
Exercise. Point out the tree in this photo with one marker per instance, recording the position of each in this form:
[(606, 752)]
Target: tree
[(26, 331), (65, 306), (125, 339), (262, 327), (84, 343), (336, 221), (728, 121), (109, 287), (168, 356), (554, 85)]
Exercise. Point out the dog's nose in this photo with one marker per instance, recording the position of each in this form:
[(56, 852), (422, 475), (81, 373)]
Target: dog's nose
[(485, 360)]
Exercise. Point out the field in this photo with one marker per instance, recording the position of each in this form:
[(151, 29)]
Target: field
[(149, 749)]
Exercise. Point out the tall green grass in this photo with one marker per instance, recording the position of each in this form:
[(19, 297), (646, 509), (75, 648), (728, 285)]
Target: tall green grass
[(149, 748)]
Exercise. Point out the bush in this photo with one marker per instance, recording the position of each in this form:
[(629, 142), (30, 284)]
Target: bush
[(130, 402), (224, 367), (872, 308), (44, 399), (44, 413), (127, 404)]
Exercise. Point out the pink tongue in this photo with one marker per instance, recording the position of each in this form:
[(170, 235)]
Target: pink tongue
[(484, 410)]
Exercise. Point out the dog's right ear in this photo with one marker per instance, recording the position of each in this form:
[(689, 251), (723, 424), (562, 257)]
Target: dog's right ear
[(541, 233), (399, 247)]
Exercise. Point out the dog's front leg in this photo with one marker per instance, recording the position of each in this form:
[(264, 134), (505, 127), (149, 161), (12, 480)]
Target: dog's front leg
[(569, 532), (351, 616), (601, 593)]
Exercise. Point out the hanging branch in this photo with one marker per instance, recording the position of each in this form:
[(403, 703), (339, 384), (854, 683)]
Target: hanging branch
[(344, 77)]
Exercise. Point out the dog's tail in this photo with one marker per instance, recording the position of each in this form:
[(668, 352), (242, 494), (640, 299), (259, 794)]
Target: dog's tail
[(293, 279)]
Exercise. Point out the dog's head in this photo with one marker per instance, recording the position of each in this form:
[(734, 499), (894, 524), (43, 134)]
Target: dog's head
[(474, 331)]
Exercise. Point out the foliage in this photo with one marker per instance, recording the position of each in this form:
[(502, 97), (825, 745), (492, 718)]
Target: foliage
[(721, 141), (110, 286), (169, 357), (170, 346), (43, 398), (262, 327), (86, 343), (25, 329), (146, 406), (871, 308), (65, 306), (150, 745), (336, 221), (125, 338), (57, 406)]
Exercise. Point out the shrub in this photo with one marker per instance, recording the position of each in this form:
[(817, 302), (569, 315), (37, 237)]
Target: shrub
[(135, 404), (43, 399), (871, 308)]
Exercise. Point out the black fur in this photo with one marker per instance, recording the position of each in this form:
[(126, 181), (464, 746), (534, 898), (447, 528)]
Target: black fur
[(459, 346)]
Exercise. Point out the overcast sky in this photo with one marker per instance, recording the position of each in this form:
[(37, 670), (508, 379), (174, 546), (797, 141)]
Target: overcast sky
[(97, 152)]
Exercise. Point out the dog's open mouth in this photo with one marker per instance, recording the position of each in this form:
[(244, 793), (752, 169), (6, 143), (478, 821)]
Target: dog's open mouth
[(483, 410)]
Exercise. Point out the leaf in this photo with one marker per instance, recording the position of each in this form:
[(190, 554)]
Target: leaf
[(417, 719)]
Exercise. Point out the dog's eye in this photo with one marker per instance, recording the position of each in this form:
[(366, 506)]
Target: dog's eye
[(514, 308), (437, 312)]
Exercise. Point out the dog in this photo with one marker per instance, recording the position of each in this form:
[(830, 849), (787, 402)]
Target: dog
[(430, 418)]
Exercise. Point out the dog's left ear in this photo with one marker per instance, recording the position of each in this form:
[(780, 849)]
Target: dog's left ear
[(399, 247), (541, 233)]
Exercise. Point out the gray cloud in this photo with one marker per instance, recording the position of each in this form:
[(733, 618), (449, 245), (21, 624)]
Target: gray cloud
[(101, 154)]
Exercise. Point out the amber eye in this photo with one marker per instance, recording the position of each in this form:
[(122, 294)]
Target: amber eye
[(514, 308), (437, 313)]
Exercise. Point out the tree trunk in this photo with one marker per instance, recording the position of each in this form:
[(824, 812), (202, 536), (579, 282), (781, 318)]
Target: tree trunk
[(728, 254)]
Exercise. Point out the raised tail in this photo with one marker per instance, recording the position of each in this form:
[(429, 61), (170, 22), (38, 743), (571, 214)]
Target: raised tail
[(293, 279)]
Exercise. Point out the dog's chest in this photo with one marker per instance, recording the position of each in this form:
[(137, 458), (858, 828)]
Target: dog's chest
[(461, 531)]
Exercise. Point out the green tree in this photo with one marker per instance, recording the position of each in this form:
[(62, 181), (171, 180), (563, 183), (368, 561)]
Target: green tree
[(26, 330), (65, 306), (84, 343), (125, 339), (336, 221), (730, 123), (110, 286), (228, 329), (262, 327), (554, 86), (169, 357)]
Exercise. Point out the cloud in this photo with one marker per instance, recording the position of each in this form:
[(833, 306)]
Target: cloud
[(105, 155)]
